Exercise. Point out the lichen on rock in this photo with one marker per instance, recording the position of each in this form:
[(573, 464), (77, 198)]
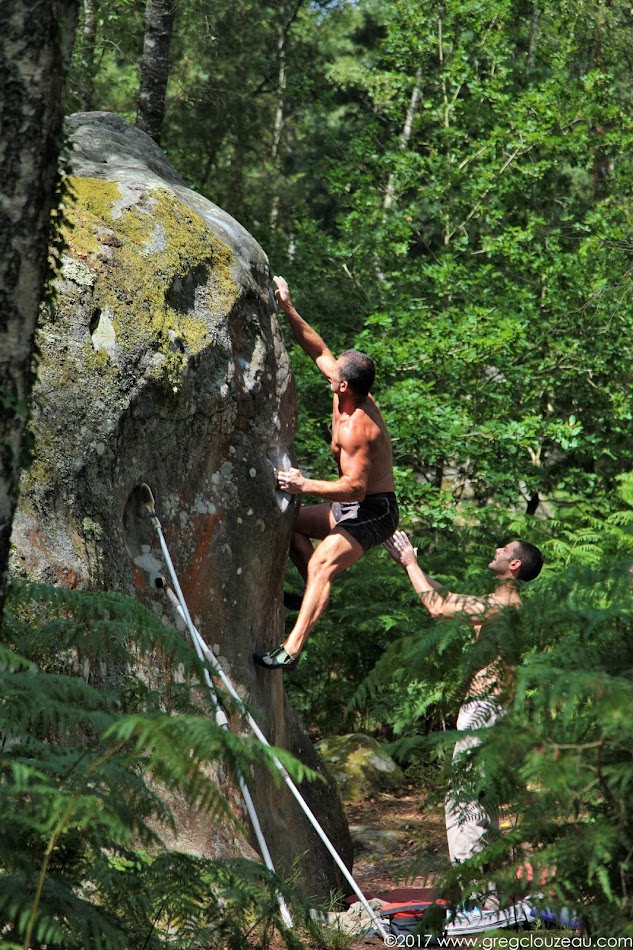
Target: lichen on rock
[(150, 255)]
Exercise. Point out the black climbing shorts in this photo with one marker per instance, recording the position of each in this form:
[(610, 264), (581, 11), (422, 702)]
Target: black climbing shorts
[(371, 521)]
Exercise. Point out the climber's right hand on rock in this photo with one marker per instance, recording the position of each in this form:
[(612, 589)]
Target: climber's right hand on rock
[(282, 292), (291, 481)]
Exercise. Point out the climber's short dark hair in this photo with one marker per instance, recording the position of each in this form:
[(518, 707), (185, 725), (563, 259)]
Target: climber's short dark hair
[(359, 371), (531, 560)]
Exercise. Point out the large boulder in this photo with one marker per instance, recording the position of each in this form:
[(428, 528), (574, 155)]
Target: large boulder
[(360, 766), (162, 363)]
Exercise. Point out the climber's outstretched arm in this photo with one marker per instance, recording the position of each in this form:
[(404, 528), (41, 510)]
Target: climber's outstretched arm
[(307, 338)]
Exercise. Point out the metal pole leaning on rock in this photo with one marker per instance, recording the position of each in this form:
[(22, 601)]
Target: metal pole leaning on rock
[(222, 720), (219, 672), (220, 716)]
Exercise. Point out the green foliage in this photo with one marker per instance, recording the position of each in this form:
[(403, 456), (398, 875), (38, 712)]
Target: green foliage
[(502, 260), (567, 733), (93, 757), (567, 730), (447, 185)]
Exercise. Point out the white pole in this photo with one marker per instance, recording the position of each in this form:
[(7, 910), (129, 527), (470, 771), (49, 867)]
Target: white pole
[(219, 672)]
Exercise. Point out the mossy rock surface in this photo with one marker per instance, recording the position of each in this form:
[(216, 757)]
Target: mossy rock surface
[(360, 766)]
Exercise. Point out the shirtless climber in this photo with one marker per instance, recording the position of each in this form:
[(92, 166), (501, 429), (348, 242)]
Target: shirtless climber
[(469, 824), (360, 509)]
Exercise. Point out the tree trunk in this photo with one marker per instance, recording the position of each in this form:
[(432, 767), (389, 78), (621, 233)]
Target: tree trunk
[(35, 43), (533, 503), (159, 22), (278, 125), (536, 13), (405, 135), (403, 142), (88, 45), (279, 120)]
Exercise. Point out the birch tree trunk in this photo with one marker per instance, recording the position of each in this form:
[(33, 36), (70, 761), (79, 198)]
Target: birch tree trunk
[(536, 14), (159, 23), (35, 42), (279, 119), (288, 17), (405, 135), (88, 58), (403, 141)]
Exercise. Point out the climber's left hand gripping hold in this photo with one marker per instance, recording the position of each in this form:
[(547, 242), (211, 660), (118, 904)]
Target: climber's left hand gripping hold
[(291, 481)]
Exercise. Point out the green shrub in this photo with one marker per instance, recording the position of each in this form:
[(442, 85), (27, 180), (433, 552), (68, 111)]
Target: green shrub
[(82, 769)]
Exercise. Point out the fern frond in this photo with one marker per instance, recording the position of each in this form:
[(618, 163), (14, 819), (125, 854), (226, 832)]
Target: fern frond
[(83, 771)]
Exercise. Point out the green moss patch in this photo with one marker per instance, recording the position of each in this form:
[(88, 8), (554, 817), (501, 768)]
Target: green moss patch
[(359, 765), (152, 256)]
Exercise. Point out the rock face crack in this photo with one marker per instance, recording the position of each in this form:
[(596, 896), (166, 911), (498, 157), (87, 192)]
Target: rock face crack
[(164, 364)]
